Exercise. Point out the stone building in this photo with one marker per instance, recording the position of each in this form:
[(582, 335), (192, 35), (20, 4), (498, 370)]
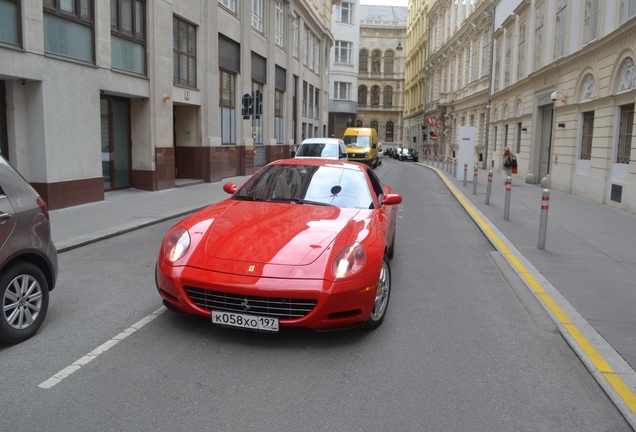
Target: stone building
[(563, 94), (381, 64), (98, 95)]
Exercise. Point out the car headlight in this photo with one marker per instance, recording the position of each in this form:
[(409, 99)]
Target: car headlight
[(366, 155), (349, 261), (177, 245)]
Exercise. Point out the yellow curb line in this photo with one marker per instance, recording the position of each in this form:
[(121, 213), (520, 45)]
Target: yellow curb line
[(599, 362)]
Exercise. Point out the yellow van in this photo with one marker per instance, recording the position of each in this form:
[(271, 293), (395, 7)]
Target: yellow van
[(362, 145)]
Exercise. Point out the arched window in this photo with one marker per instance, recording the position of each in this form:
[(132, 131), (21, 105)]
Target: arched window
[(362, 95), (389, 132), (376, 59), (388, 96), (388, 62), (374, 125), (375, 95), (358, 123), (363, 61)]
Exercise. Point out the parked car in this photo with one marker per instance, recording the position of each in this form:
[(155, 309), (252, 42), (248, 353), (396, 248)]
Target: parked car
[(380, 153), (302, 243), (28, 258), (326, 148), (396, 153), (408, 154)]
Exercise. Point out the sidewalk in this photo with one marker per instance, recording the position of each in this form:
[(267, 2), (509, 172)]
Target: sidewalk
[(588, 267)]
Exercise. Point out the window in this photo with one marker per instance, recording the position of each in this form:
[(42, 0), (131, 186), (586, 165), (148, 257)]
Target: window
[(317, 102), (628, 10), (230, 4), (310, 51), (375, 95), (374, 125), (468, 74), (128, 35), (460, 70), (388, 96), (362, 95), (389, 132), (586, 135), (257, 14), (497, 68), (494, 143), (363, 61), (305, 45), (485, 55), (445, 85), (317, 55), (559, 40), (521, 55), (68, 28), (227, 112), (296, 37), (310, 112), (278, 116), (344, 13), (518, 139), (343, 52), (280, 23), (341, 90), (625, 133), (304, 98), (388, 62), (9, 21), (456, 14), (508, 60), (590, 21), (538, 37), (452, 76), (257, 121), (184, 53), (376, 59)]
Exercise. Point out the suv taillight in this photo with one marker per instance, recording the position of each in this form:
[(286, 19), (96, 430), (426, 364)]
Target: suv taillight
[(43, 207)]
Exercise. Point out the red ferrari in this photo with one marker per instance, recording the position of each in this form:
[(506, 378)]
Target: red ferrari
[(303, 243)]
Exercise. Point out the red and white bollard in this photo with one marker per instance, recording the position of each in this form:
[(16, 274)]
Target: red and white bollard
[(543, 226), (507, 203), (475, 172), (489, 187)]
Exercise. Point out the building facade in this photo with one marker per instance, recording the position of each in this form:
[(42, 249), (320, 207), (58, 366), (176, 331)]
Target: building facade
[(343, 71), (98, 95), (563, 94), (381, 69)]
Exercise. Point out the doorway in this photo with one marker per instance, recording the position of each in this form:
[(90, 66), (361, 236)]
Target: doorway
[(547, 115), (116, 146)]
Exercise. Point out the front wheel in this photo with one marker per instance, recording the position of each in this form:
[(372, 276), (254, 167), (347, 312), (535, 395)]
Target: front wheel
[(25, 299), (382, 295)]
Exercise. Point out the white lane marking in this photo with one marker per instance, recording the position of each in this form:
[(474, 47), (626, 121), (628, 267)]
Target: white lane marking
[(67, 371)]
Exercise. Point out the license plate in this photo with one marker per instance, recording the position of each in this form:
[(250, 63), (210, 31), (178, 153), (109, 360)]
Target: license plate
[(252, 322)]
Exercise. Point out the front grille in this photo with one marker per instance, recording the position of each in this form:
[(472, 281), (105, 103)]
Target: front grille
[(286, 308)]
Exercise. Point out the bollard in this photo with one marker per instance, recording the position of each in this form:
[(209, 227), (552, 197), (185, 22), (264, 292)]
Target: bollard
[(507, 204), (543, 226), (447, 164), (488, 187), (465, 173), (475, 180), (455, 168)]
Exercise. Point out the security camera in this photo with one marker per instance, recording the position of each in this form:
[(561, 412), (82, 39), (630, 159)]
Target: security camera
[(554, 96)]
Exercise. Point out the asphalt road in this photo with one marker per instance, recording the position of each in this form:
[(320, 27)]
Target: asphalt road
[(464, 347)]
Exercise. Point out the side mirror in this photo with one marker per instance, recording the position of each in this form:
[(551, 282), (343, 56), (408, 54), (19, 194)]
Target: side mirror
[(229, 188), (391, 199), (374, 145)]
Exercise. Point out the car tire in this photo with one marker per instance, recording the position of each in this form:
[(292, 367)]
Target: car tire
[(382, 297), (24, 291)]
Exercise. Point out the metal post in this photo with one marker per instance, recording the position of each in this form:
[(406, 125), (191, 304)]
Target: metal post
[(475, 181), (507, 204), (488, 187), (543, 226), (465, 172), (455, 168)]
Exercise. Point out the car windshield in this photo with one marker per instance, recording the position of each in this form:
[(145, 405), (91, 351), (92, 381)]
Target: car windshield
[(356, 141), (317, 150), (308, 184), (407, 151)]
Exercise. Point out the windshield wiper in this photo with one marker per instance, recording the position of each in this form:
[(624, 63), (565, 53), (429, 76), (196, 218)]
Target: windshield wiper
[(300, 201), (247, 198)]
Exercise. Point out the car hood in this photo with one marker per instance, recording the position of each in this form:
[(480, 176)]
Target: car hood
[(276, 233)]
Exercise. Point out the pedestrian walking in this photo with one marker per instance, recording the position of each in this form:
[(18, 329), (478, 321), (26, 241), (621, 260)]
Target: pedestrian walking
[(508, 163)]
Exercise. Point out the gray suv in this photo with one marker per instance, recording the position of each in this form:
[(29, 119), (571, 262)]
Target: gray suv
[(28, 258)]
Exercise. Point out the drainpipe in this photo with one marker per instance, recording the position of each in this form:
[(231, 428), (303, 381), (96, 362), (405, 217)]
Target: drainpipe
[(492, 53)]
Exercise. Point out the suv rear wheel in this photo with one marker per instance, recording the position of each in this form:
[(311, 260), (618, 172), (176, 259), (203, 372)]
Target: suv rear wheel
[(25, 299)]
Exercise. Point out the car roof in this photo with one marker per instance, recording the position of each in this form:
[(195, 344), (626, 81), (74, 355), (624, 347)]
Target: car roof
[(320, 162), (322, 141)]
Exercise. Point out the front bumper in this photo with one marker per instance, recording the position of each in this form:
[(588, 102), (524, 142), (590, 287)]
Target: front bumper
[(337, 304)]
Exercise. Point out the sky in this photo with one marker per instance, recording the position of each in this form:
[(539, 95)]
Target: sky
[(385, 2)]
